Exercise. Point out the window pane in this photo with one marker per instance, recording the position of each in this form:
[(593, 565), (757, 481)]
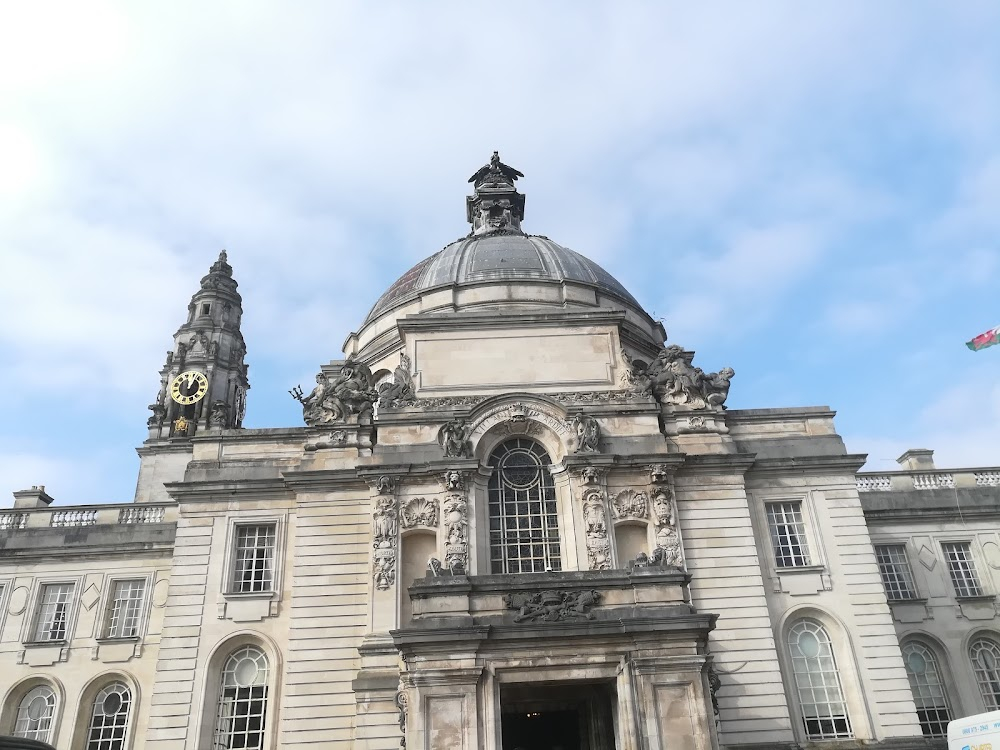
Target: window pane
[(124, 608), (254, 569), (895, 570), (788, 534), (52, 612), (34, 714), (524, 521), (109, 718), (817, 681), (242, 701), (962, 568), (928, 689), (985, 655)]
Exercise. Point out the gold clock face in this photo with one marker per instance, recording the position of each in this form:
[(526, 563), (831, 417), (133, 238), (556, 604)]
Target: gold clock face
[(189, 387)]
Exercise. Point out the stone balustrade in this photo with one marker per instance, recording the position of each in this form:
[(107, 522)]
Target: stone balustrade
[(901, 481), (87, 515)]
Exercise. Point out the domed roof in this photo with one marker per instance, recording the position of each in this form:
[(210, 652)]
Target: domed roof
[(499, 256)]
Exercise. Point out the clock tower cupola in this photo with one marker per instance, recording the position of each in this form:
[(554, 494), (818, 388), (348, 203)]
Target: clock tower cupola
[(203, 382)]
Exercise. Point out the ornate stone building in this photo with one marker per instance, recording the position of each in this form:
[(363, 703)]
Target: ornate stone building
[(513, 519)]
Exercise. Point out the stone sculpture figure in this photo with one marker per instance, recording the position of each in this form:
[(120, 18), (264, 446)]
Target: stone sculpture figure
[(586, 434), (350, 392), (219, 417), (673, 380), (454, 438), (400, 390), (384, 524)]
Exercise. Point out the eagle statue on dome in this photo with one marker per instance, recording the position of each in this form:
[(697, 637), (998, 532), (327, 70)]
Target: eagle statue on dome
[(495, 172)]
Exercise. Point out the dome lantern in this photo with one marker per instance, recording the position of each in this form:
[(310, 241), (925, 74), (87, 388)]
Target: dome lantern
[(496, 205)]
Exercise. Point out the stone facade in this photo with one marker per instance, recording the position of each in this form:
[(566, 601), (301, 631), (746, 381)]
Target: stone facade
[(513, 518)]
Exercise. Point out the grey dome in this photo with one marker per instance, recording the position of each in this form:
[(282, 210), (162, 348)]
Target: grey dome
[(495, 257)]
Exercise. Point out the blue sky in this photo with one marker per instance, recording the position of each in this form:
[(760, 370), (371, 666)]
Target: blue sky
[(805, 192)]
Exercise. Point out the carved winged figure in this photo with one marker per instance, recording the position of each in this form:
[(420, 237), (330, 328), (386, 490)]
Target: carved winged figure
[(672, 379)]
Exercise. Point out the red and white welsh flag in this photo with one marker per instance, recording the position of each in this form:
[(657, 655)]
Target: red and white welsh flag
[(983, 340)]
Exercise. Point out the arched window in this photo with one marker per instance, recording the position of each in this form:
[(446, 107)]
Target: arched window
[(524, 521), (985, 655), (242, 701), (927, 685), (817, 681), (35, 714), (109, 718)]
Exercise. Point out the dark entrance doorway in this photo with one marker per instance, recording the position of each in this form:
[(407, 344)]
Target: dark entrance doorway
[(557, 717)]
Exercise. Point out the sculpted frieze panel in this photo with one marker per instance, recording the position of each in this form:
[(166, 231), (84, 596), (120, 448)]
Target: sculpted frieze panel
[(553, 606)]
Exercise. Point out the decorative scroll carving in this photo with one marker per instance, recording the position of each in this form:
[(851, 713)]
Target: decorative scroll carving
[(351, 392), (586, 434), (453, 437), (418, 511), (401, 706), (673, 380), (453, 481), (400, 391), (668, 542), (595, 520), (384, 534), (630, 504), (553, 606), (456, 533)]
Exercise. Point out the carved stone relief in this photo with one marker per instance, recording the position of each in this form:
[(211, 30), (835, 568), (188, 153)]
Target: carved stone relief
[(456, 533), (453, 481), (385, 530), (553, 606), (401, 706), (630, 504), (596, 525), (667, 550), (419, 511)]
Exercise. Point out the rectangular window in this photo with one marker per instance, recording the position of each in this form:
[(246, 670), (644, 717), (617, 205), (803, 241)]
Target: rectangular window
[(52, 612), (895, 571), (254, 559), (125, 608), (788, 534), (962, 568)]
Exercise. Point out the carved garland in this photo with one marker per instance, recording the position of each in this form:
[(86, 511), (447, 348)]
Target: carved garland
[(385, 528)]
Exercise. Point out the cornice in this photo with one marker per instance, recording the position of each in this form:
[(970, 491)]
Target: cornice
[(479, 321), (844, 464), (215, 491)]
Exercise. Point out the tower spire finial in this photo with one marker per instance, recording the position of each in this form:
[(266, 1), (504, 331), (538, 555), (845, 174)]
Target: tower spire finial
[(496, 206)]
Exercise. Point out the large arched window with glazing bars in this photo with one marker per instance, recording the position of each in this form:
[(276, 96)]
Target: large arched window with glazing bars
[(985, 655), (523, 514), (928, 687)]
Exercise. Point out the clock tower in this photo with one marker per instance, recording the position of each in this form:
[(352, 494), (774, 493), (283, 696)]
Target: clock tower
[(203, 383)]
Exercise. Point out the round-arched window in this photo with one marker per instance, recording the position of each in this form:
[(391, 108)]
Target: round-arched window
[(985, 655), (817, 681), (35, 713), (927, 686), (242, 701), (524, 520), (109, 718)]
